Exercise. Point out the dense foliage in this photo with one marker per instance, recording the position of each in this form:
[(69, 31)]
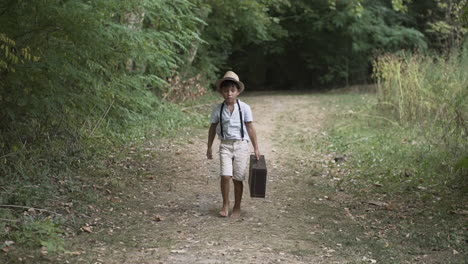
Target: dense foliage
[(88, 56), (335, 42), (76, 78)]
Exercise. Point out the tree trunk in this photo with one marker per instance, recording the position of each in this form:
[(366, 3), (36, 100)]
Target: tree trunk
[(134, 21)]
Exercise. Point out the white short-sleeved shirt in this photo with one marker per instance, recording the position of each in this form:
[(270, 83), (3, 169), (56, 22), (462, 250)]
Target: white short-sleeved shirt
[(231, 122)]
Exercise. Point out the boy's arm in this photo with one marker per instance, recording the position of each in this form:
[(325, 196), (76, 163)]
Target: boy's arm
[(253, 137), (211, 137)]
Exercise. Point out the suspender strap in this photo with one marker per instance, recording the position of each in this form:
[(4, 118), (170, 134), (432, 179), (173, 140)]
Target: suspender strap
[(221, 119), (242, 121)]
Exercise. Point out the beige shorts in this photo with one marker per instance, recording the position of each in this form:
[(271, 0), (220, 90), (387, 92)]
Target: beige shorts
[(233, 156)]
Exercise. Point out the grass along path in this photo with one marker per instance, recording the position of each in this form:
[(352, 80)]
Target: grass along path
[(170, 215)]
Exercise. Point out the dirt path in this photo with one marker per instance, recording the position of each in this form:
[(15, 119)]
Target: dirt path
[(263, 235), (173, 218)]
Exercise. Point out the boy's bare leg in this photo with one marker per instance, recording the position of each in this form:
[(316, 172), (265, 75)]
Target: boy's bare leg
[(238, 190), (225, 193)]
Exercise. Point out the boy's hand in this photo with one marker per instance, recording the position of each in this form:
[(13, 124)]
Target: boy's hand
[(209, 153), (257, 154)]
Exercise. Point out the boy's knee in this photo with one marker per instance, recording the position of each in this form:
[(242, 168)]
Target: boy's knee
[(237, 182)]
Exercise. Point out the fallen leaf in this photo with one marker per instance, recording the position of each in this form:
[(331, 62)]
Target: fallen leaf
[(348, 213), (87, 229), (44, 251), (339, 159), (378, 203), (74, 253), (460, 212), (7, 249), (158, 218), (369, 260), (8, 243), (116, 200), (181, 251)]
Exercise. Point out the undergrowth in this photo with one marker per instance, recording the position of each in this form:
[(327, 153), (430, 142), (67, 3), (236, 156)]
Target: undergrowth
[(398, 159), (427, 95), (52, 182), (411, 136), (414, 179), (406, 147)]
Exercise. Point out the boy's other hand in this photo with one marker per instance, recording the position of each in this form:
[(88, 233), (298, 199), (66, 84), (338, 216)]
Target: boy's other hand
[(209, 153)]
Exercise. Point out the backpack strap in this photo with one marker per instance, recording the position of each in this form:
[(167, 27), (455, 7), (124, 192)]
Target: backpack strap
[(221, 119)]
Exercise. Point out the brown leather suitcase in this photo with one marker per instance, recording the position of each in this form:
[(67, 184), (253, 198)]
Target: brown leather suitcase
[(257, 176)]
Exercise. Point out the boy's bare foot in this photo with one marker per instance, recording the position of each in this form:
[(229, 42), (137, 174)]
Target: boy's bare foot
[(236, 213), (224, 211)]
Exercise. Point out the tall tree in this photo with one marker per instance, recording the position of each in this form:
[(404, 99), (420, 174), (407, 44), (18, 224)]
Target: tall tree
[(441, 21)]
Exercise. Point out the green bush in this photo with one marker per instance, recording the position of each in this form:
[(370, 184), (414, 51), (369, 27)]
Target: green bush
[(32, 230), (413, 137), (428, 95)]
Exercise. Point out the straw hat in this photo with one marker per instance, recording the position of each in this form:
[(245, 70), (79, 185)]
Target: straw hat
[(231, 76)]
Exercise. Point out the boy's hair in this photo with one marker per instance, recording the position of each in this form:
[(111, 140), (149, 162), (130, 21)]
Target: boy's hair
[(229, 83)]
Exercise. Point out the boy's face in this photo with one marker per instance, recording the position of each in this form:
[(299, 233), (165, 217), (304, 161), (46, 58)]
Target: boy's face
[(230, 93)]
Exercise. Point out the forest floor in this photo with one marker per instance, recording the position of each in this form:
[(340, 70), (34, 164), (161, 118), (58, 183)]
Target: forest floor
[(171, 214)]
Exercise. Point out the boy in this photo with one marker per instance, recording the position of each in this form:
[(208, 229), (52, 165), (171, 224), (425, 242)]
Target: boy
[(232, 121)]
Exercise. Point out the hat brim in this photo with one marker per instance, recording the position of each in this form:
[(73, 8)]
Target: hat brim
[(218, 84)]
